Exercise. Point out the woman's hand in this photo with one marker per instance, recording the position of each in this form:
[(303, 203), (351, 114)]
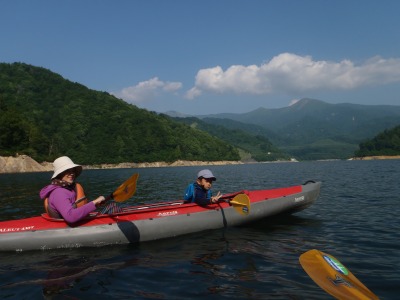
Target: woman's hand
[(99, 200), (215, 199)]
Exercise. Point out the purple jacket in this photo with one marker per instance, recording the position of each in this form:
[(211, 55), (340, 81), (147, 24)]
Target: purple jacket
[(62, 200)]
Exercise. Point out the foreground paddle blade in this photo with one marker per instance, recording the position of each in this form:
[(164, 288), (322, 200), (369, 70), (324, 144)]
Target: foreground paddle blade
[(126, 190), (241, 203), (333, 277)]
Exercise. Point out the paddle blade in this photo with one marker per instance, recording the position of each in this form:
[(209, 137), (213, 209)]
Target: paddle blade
[(241, 203), (333, 277), (126, 189)]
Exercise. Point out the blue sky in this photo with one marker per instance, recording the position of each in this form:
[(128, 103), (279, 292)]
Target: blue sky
[(213, 56)]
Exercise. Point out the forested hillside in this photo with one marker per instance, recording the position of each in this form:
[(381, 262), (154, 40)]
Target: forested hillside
[(385, 143), (44, 116), (312, 129), (256, 144)]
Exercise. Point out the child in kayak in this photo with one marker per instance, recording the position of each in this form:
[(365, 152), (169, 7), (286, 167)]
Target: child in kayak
[(60, 196), (200, 190)]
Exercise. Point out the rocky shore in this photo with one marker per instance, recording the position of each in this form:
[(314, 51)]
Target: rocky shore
[(26, 164), (376, 157), (22, 164)]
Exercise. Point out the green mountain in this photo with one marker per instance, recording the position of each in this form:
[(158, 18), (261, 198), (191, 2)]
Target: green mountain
[(313, 129), (385, 143), (45, 116), (259, 147)]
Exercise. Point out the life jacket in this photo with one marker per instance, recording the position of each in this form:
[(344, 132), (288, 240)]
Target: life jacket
[(80, 200), (190, 193)]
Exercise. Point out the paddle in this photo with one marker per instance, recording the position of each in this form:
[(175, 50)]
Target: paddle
[(125, 190), (333, 277), (241, 203)]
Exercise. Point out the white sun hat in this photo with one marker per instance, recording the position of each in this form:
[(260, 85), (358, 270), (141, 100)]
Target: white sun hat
[(64, 163), (207, 174)]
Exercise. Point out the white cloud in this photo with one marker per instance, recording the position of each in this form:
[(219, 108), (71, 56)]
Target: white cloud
[(147, 90), (193, 93), (172, 86), (293, 74)]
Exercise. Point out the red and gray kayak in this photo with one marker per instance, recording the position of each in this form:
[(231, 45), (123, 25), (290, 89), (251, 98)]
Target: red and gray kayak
[(154, 221)]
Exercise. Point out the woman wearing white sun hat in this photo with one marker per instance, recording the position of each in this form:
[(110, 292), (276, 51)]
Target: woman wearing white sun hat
[(61, 195)]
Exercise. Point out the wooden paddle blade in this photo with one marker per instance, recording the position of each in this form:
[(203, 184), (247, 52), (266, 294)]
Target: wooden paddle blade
[(333, 277), (241, 203), (126, 189)]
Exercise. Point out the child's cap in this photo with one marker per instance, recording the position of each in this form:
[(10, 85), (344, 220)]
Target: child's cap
[(206, 174)]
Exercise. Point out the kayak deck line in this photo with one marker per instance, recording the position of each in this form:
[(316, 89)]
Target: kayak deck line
[(125, 210)]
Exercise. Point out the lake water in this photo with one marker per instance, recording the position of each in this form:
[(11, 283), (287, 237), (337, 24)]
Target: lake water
[(355, 219)]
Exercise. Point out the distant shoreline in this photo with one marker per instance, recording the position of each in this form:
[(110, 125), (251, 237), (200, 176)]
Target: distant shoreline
[(26, 164), (377, 157)]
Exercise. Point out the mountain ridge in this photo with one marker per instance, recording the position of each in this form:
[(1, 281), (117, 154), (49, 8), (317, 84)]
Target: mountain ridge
[(314, 129)]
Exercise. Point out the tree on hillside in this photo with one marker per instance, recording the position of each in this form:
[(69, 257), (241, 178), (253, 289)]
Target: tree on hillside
[(385, 143)]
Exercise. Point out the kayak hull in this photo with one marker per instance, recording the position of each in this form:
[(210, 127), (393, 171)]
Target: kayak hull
[(151, 222)]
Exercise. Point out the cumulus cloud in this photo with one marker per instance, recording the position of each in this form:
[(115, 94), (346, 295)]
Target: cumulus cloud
[(147, 90), (293, 74), (193, 93)]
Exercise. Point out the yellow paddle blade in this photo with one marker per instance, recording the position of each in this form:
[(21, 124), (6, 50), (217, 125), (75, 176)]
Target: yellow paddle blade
[(126, 189), (333, 277), (241, 203)]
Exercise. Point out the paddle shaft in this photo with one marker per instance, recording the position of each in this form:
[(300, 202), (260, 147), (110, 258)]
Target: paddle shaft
[(124, 191), (108, 198)]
